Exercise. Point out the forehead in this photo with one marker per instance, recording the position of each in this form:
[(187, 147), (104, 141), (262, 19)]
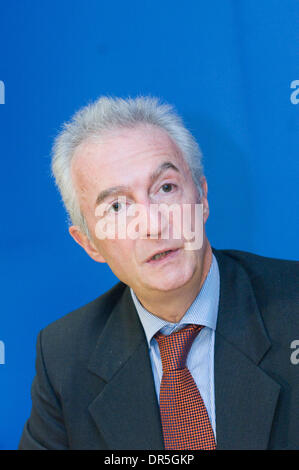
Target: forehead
[(119, 154)]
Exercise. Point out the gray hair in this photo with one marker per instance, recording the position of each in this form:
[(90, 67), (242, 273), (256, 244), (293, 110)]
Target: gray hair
[(108, 114)]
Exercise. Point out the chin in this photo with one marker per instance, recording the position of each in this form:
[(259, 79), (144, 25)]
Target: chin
[(171, 282)]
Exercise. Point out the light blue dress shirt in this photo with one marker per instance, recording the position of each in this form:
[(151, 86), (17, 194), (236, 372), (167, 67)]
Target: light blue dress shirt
[(200, 360)]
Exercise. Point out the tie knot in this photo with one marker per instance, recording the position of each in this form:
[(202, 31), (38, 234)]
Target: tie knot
[(174, 348)]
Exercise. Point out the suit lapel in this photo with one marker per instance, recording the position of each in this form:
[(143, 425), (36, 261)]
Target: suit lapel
[(245, 396), (126, 411)]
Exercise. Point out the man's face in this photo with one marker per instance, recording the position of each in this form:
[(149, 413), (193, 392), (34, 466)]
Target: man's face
[(145, 166)]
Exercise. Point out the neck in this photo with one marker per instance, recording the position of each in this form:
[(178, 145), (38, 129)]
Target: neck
[(172, 306)]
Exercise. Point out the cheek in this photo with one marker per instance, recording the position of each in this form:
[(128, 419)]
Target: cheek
[(118, 252), (119, 255)]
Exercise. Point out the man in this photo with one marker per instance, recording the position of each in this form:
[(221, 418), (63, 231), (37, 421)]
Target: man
[(192, 348)]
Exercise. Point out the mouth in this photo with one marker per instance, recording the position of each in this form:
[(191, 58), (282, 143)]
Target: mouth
[(162, 255)]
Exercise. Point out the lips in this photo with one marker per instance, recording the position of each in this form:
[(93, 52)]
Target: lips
[(161, 254)]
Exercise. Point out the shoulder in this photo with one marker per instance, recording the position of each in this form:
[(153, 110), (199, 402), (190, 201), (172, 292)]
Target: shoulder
[(262, 266), (93, 315), (275, 273), (74, 336), (274, 283)]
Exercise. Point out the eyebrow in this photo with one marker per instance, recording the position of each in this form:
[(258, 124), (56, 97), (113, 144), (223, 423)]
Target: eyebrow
[(114, 190)]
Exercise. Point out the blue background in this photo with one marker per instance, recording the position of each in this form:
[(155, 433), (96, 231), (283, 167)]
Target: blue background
[(226, 65)]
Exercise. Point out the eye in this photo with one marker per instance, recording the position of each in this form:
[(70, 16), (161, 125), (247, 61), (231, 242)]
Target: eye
[(115, 206), (167, 187)]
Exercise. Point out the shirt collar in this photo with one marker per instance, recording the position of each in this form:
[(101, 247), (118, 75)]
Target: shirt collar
[(203, 310)]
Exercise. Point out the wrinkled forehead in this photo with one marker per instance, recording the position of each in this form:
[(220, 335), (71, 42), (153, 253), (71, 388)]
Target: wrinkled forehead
[(116, 153)]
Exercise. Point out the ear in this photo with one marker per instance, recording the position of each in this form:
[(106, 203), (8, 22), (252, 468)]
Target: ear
[(204, 199), (86, 244)]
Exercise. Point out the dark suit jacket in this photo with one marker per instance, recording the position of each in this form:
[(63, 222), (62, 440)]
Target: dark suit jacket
[(94, 386)]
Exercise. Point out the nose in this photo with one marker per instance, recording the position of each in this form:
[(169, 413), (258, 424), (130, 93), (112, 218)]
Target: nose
[(152, 221), (148, 220)]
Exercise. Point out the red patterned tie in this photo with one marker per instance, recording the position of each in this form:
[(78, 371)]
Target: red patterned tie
[(185, 421)]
